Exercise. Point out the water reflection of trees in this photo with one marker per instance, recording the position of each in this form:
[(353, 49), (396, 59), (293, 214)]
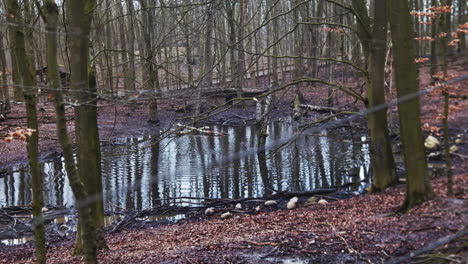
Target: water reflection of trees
[(140, 172)]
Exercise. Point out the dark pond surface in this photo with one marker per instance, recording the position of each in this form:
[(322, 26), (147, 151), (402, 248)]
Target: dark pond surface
[(139, 172)]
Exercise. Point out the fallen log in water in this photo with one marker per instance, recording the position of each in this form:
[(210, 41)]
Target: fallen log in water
[(318, 108), (201, 130), (287, 195)]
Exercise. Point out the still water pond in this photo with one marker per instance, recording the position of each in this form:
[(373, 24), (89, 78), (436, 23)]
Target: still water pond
[(141, 172)]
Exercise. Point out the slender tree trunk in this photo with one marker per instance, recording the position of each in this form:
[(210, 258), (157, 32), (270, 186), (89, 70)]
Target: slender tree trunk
[(4, 85), (16, 75), (418, 186), (275, 52), (240, 45), (230, 10), (374, 42), (442, 41), (298, 60), (433, 45), (462, 18), (448, 158), (131, 44), (27, 71), (153, 76), (188, 45), (123, 46), (83, 83), (208, 62), (51, 16), (108, 57)]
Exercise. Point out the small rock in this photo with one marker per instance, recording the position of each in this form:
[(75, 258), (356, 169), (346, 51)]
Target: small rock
[(45, 209), (431, 142), (458, 135), (226, 215), (458, 141), (313, 199), (257, 209), (238, 206), (434, 155), (355, 193), (270, 203), (322, 201), (64, 228), (292, 203), (453, 149), (210, 211)]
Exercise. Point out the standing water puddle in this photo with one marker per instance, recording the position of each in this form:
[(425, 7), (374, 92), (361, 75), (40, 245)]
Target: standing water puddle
[(140, 173)]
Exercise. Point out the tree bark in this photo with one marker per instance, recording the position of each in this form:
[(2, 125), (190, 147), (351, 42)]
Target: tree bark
[(83, 83), (16, 75), (4, 86), (25, 66), (433, 46), (208, 61), (418, 186), (131, 44), (152, 84), (374, 42), (123, 45)]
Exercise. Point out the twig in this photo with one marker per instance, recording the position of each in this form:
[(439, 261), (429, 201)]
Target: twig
[(328, 197), (199, 130), (460, 155), (186, 258), (348, 247), (262, 243), (270, 253)]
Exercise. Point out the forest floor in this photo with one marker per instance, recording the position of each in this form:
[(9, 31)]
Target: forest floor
[(363, 229)]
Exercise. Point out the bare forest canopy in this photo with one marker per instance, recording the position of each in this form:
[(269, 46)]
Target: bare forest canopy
[(219, 44)]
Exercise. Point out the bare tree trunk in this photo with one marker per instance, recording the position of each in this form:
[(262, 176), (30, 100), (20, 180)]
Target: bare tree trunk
[(240, 44), (153, 78), (298, 60), (123, 46), (208, 62), (275, 29), (4, 86), (16, 75), (434, 59), (418, 186), (108, 57), (230, 10), (25, 66), (374, 42), (83, 83), (131, 44), (188, 45), (51, 17), (442, 41), (462, 18)]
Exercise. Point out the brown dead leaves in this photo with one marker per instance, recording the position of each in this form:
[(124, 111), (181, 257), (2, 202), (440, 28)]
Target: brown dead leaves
[(365, 225)]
